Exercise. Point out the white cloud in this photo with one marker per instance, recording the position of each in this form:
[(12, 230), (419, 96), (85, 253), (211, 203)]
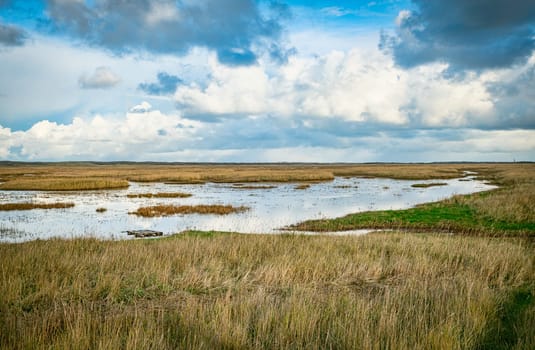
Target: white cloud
[(358, 86), (499, 141), (162, 12), (440, 102), (231, 90), (101, 78), (365, 86), (144, 107), (402, 16), (5, 142), (132, 136), (338, 85), (146, 134), (353, 105)]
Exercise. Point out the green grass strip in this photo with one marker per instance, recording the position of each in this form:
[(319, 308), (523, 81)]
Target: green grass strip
[(442, 216)]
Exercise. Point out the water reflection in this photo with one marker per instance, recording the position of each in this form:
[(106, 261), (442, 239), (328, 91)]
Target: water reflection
[(271, 208)]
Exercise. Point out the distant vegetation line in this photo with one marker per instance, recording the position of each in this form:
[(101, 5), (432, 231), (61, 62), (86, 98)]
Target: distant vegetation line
[(91, 176)]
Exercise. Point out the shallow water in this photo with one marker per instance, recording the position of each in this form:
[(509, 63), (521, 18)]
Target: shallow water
[(270, 209)]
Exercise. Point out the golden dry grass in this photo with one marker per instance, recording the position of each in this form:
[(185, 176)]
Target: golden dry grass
[(159, 195), (63, 184), (83, 176), (302, 186), (215, 291), (167, 210), (30, 206)]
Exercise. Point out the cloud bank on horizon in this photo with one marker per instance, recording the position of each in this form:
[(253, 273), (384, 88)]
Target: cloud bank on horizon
[(267, 81)]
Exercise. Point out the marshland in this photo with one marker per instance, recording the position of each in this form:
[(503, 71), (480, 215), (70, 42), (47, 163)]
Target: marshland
[(457, 273), (262, 204)]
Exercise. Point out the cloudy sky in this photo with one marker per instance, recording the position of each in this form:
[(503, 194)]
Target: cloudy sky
[(267, 81)]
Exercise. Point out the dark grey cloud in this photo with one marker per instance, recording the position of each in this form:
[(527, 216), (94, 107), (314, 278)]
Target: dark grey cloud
[(165, 85), (230, 27), (515, 100), (467, 34), (11, 35)]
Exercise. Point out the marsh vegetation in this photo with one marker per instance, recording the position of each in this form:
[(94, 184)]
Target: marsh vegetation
[(213, 290), (93, 176), (159, 195), (166, 210), (507, 210), (31, 206), (397, 289), (302, 186), (271, 208)]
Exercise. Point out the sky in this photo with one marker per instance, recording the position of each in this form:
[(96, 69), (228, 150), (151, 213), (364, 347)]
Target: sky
[(267, 81)]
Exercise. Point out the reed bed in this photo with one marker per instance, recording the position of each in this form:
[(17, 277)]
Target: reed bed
[(230, 291), (159, 195), (231, 174), (87, 176), (63, 184), (31, 206), (167, 210)]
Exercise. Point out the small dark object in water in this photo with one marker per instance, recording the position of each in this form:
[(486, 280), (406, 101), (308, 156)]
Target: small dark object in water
[(144, 233)]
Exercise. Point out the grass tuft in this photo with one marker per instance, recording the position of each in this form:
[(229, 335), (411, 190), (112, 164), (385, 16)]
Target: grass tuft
[(30, 206), (249, 187), (426, 185), (159, 195), (166, 210)]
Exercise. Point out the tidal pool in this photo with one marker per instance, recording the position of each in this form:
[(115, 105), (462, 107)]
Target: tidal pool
[(270, 208)]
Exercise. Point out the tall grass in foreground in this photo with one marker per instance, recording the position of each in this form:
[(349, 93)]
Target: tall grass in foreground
[(212, 291)]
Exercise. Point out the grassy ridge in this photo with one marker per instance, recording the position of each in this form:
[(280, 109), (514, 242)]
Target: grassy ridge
[(209, 290)]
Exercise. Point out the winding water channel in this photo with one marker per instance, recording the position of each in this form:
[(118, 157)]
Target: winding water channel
[(270, 208)]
